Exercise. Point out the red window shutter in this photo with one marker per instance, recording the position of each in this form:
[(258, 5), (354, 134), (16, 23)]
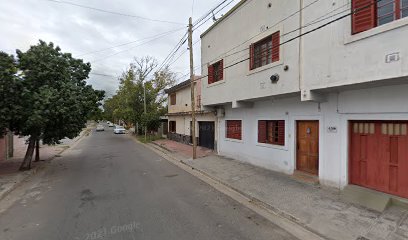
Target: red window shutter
[(238, 133), (275, 46), (210, 74), (221, 70), (262, 131), (251, 56), (364, 15), (281, 133)]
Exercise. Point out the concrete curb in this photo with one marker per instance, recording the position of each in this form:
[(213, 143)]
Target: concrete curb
[(165, 153), (34, 171)]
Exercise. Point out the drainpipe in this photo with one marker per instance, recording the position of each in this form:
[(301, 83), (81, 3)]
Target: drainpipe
[(300, 45)]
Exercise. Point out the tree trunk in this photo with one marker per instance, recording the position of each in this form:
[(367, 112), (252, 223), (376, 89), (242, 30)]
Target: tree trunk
[(37, 150), (26, 164)]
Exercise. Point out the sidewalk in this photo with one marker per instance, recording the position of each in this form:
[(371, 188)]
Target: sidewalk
[(11, 177), (318, 209)]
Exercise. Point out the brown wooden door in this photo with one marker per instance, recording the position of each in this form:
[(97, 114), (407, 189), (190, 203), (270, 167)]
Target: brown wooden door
[(379, 156), (307, 157)]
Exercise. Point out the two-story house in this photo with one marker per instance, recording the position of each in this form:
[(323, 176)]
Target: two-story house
[(318, 87), (179, 116)]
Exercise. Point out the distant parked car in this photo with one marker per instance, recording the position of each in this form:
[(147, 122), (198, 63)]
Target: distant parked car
[(111, 124), (100, 128), (119, 130)]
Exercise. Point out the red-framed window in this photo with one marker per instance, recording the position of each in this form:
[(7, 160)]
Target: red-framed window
[(271, 132), (216, 72), (172, 126), (233, 129), (368, 14), (265, 51), (173, 99)]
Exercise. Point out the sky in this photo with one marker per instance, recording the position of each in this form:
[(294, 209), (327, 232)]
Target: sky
[(82, 31)]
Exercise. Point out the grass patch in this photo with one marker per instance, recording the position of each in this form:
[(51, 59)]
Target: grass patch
[(149, 138)]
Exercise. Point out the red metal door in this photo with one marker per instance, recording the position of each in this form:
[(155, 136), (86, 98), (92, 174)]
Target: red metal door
[(379, 156)]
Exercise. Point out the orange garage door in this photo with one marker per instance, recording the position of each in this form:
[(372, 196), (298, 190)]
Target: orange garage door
[(379, 156)]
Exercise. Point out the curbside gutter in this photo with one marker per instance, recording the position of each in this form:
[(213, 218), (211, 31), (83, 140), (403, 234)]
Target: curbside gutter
[(271, 213)]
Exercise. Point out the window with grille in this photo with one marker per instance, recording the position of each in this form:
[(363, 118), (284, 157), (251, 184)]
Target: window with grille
[(172, 126), (234, 129), (368, 14), (216, 72), (271, 132), (265, 51), (173, 99)]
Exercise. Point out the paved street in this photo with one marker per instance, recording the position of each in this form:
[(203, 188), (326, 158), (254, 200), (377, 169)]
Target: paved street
[(109, 187)]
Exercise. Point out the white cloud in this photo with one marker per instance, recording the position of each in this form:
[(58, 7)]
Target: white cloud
[(78, 30)]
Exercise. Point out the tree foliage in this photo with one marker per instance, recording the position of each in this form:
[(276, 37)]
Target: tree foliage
[(54, 99), (10, 88), (128, 102)]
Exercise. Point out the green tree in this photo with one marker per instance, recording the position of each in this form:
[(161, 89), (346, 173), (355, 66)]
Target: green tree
[(140, 79), (10, 90), (57, 101)]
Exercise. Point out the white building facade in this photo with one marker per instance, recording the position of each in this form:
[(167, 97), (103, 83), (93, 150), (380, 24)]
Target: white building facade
[(319, 87), (180, 120)]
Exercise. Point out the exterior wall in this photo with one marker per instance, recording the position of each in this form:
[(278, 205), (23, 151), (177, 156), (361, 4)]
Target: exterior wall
[(327, 58), (183, 132), (341, 58), (251, 19), (183, 99), (381, 103)]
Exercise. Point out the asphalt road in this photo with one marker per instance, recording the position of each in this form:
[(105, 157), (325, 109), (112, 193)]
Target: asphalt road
[(110, 187)]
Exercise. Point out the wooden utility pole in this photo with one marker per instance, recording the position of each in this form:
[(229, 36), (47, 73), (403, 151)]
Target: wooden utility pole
[(193, 119)]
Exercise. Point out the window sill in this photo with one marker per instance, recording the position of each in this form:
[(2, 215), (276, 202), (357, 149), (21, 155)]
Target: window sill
[(266, 67), (267, 145), (216, 83), (234, 140), (377, 30)]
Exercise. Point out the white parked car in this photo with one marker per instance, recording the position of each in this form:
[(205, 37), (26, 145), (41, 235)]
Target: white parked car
[(119, 130), (100, 127), (111, 124)]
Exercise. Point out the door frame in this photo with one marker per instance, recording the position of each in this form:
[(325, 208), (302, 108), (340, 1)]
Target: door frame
[(295, 129)]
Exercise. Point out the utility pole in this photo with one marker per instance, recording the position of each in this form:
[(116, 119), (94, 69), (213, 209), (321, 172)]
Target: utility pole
[(193, 119), (145, 110)]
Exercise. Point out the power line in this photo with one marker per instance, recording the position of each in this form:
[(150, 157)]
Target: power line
[(126, 50), (202, 23), (181, 54), (113, 12), (319, 19), (173, 51), (209, 12), (102, 74), (303, 34), (128, 43)]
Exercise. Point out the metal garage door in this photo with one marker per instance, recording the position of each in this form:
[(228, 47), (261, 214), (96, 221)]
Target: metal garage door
[(206, 134), (379, 156)]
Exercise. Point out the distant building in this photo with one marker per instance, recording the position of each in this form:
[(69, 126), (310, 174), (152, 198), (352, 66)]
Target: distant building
[(179, 116)]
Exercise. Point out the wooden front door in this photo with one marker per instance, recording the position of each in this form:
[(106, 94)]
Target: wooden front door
[(307, 157)]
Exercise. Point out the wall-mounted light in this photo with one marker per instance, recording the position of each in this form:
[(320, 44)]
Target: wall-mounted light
[(274, 78)]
